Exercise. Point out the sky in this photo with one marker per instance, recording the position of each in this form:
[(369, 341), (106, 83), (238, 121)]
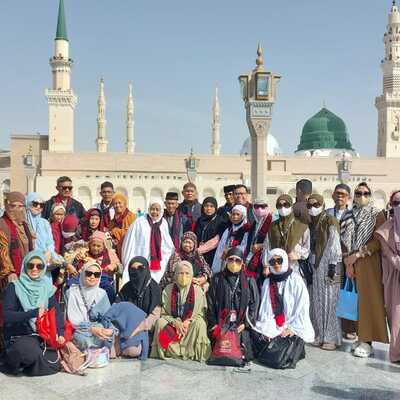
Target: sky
[(175, 53)]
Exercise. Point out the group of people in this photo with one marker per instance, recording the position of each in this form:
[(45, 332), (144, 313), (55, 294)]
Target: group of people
[(165, 283)]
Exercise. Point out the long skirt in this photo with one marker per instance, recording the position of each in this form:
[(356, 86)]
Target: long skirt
[(194, 346), (324, 296), (25, 354)]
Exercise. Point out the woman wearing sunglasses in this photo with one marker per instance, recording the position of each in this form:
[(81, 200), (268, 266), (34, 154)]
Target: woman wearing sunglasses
[(87, 303), (284, 310), (25, 300), (388, 236), (361, 257), (325, 255)]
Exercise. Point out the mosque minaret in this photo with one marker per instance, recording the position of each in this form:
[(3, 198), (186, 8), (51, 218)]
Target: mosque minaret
[(216, 126), (130, 122), (101, 141)]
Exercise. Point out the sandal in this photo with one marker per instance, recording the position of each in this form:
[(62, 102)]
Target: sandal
[(364, 350), (328, 346)]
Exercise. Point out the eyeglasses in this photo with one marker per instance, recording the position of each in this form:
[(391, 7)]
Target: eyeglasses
[(233, 259), (285, 205), (91, 273), (66, 188), (311, 205), (395, 203), (262, 206), (37, 204), (361, 194), (275, 261), (39, 266)]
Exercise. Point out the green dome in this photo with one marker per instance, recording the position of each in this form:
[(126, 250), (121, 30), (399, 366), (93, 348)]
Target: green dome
[(324, 130)]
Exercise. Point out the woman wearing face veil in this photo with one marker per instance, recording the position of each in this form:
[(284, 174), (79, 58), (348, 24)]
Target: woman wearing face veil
[(181, 332), (233, 295), (284, 312), (361, 257)]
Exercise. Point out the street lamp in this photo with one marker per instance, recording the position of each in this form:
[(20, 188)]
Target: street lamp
[(258, 91)]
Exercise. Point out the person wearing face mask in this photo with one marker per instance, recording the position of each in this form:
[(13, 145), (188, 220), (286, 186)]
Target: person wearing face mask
[(257, 235), (148, 237), (288, 233), (325, 256), (236, 235), (388, 236), (284, 310), (181, 332), (232, 295), (361, 257)]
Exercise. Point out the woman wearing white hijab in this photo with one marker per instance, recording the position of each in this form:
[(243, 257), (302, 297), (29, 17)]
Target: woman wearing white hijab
[(149, 237), (284, 311), (235, 235)]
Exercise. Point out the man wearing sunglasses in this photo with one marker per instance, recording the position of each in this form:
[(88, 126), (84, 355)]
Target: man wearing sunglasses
[(341, 196), (64, 196)]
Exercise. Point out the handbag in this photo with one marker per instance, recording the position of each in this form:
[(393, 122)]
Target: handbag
[(226, 350), (347, 302), (72, 360), (280, 352)]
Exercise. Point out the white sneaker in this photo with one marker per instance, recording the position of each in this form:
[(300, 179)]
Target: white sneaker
[(364, 350)]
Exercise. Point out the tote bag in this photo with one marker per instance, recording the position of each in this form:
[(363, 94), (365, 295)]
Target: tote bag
[(347, 303)]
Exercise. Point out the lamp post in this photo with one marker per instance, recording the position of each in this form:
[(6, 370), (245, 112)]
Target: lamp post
[(258, 90), (344, 168)]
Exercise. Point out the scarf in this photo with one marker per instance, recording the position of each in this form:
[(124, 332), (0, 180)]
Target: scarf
[(33, 293), (86, 230), (155, 244), (236, 234), (175, 228), (168, 334), (357, 227), (15, 246), (105, 212), (58, 200), (276, 298), (119, 219)]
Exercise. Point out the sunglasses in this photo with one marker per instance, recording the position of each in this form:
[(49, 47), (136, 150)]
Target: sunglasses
[(91, 273), (262, 206), (274, 261), (37, 204), (395, 203), (67, 187), (315, 205), (236, 260), (37, 266), (285, 205), (361, 194)]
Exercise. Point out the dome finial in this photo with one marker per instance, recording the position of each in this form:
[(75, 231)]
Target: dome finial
[(259, 59)]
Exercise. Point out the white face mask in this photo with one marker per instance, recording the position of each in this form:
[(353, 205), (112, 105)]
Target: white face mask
[(314, 212), (284, 212)]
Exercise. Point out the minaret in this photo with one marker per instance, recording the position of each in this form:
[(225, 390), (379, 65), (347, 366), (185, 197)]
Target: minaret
[(388, 104), (216, 125), (60, 97), (101, 141), (130, 123)]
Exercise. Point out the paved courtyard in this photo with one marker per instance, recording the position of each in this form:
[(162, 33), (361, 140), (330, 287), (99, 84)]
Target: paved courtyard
[(322, 375)]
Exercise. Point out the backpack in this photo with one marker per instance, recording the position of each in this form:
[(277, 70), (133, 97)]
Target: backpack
[(72, 360)]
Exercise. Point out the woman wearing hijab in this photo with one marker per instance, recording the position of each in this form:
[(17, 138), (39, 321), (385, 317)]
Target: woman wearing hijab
[(188, 252), (325, 255), (209, 228), (388, 236), (123, 219), (255, 244), (284, 309), (25, 300), (56, 219), (181, 332), (149, 237), (91, 223), (288, 233), (233, 295), (143, 291), (234, 236), (87, 303), (361, 257)]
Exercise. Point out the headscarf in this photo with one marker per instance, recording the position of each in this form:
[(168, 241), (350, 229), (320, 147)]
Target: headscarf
[(155, 235), (33, 219), (57, 206), (357, 225), (33, 293), (196, 260), (17, 216), (141, 289), (121, 197), (396, 222), (86, 230), (208, 226), (77, 310), (183, 292), (69, 226), (157, 200), (243, 212), (285, 263)]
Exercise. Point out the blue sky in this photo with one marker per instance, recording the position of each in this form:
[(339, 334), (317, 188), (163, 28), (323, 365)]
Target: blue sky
[(175, 52)]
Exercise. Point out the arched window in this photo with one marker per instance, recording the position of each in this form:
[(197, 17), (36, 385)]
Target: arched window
[(138, 200), (157, 192)]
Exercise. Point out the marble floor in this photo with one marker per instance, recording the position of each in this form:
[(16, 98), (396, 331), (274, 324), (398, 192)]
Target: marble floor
[(322, 375)]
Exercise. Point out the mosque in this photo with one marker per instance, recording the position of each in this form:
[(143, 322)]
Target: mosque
[(324, 154)]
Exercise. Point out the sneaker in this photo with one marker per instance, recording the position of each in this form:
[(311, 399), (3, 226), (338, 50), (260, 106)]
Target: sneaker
[(364, 350)]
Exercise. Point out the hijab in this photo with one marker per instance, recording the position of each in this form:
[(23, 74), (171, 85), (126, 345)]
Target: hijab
[(141, 289), (17, 216), (86, 230), (278, 253), (183, 290), (396, 221), (208, 226), (153, 201), (33, 293), (243, 212)]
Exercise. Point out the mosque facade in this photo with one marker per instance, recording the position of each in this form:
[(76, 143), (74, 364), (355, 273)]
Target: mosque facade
[(324, 155)]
